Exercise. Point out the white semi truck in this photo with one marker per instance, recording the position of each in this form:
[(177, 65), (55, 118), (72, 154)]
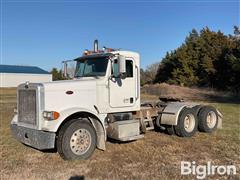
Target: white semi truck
[(102, 100)]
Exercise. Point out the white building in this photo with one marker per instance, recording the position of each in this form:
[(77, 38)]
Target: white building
[(12, 76)]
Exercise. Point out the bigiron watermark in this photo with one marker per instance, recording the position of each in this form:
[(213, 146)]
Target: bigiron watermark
[(202, 171)]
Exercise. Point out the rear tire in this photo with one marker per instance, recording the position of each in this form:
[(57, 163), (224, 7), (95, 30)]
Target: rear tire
[(187, 123), (208, 119), (76, 140), (196, 109)]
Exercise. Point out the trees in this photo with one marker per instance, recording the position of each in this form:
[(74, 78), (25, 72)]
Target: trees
[(206, 58), (148, 75)]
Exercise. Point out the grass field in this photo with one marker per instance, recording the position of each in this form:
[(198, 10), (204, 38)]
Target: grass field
[(156, 156)]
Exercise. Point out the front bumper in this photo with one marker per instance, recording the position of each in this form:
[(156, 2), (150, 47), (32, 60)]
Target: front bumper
[(35, 138)]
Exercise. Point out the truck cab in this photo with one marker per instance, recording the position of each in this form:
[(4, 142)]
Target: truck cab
[(105, 83)]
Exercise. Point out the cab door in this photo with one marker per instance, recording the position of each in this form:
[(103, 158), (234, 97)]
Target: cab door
[(122, 91)]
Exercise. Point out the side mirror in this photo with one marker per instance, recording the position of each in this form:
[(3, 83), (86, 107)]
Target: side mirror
[(68, 71), (119, 67), (65, 73), (121, 64)]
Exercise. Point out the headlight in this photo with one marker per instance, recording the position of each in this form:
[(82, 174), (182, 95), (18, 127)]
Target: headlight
[(51, 115)]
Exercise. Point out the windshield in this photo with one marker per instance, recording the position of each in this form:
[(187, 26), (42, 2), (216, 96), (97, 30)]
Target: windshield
[(91, 67)]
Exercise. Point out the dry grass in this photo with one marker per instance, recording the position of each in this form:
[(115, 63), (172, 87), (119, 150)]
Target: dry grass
[(194, 94), (8, 95), (156, 156)]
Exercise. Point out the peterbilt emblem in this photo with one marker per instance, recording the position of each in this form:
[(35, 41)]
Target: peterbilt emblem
[(69, 92)]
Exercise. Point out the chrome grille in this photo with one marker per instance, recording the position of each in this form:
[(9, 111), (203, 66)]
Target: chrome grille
[(27, 106)]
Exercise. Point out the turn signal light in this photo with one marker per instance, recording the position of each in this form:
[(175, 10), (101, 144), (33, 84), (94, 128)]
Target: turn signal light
[(51, 115), (55, 115)]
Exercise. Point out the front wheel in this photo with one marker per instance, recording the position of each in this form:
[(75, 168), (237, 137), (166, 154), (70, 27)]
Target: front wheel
[(187, 123), (76, 140)]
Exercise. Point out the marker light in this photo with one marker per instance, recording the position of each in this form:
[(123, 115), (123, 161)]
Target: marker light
[(51, 115), (86, 52)]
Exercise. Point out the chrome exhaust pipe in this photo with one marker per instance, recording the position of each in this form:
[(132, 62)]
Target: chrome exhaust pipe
[(95, 46)]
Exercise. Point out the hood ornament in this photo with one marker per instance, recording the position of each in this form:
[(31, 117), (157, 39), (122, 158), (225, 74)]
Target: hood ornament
[(27, 84)]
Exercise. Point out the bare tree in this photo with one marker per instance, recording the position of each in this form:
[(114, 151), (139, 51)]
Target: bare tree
[(151, 72)]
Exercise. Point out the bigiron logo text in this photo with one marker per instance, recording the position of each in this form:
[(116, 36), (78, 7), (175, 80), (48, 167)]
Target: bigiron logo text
[(202, 171)]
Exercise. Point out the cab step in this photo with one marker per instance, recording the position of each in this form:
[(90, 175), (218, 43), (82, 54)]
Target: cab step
[(149, 124)]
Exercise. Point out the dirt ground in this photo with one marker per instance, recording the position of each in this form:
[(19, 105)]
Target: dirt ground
[(156, 156)]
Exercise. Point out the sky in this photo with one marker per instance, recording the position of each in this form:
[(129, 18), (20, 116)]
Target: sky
[(44, 33)]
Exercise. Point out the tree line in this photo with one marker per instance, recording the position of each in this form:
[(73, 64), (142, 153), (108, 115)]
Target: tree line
[(205, 59)]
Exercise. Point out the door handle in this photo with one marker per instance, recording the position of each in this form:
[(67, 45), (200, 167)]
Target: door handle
[(131, 100)]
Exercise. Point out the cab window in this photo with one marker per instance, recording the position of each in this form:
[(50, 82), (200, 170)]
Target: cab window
[(129, 68)]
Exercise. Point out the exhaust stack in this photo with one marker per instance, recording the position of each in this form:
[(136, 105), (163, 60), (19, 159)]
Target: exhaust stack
[(95, 46)]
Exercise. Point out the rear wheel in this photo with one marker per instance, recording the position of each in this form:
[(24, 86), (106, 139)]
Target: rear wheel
[(187, 123), (208, 119), (196, 110), (76, 140)]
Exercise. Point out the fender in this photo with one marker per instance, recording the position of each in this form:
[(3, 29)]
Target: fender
[(220, 119), (171, 112), (53, 126)]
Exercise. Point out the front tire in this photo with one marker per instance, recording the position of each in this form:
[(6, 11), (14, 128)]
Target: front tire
[(187, 123), (76, 140)]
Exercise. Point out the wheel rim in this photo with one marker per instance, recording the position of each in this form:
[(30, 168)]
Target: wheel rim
[(189, 123), (211, 119), (80, 141)]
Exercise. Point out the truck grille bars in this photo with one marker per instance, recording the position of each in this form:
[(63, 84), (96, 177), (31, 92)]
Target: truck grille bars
[(27, 106)]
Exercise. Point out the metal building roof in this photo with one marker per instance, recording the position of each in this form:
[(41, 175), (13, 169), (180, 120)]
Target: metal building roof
[(22, 69)]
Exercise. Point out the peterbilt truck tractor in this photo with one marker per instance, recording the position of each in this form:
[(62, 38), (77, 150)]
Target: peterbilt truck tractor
[(102, 101)]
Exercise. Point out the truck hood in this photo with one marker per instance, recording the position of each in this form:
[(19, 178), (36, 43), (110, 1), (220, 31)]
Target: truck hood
[(60, 95), (66, 84)]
